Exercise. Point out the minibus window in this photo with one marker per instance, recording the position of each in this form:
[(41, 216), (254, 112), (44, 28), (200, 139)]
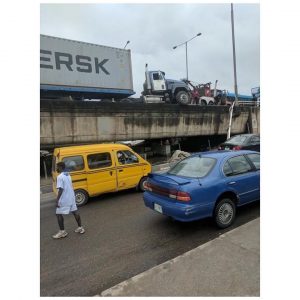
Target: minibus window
[(127, 157), (74, 163), (99, 160)]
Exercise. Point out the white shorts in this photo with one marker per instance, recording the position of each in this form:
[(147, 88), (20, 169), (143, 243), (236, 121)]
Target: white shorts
[(65, 210)]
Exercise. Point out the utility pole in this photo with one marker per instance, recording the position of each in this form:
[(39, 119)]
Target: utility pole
[(235, 102)]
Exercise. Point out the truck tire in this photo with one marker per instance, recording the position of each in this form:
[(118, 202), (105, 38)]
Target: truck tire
[(142, 100), (223, 101), (106, 101), (126, 100), (183, 97)]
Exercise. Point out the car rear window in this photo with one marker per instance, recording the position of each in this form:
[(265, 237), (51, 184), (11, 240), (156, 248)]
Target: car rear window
[(255, 158), (238, 139), (255, 139), (193, 167), (239, 165)]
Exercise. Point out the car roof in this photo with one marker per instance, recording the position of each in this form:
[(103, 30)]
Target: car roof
[(219, 154), (88, 148), (244, 134)]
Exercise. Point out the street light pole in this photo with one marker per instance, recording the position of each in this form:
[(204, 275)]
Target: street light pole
[(235, 102), (126, 44), (186, 61), (186, 53), (234, 57)]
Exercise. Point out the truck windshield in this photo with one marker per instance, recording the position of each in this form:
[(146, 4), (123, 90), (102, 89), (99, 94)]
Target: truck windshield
[(193, 167), (157, 76)]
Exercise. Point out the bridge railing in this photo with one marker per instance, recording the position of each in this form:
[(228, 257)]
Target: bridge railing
[(248, 103)]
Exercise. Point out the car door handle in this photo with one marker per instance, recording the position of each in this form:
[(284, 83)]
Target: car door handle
[(111, 172), (231, 182), (120, 170)]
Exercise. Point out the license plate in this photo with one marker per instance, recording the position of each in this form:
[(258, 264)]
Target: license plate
[(158, 208), (227, 148)]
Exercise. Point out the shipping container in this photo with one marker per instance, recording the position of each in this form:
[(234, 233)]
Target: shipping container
[(84, 70)]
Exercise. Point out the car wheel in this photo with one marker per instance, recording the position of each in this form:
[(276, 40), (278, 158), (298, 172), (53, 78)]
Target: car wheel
[(141, 187), (225, 213), (210, 103), (203, 102), (81, 197)]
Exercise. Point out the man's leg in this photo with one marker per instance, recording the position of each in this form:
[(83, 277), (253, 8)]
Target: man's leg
[(62, 233), (77, 217), (60, 220), (80, 229)]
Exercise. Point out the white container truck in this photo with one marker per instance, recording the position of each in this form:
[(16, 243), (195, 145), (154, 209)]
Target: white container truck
[(88, 71), (83, 70)]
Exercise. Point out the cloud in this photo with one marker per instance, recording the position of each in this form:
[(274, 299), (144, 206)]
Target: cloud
[(153, 29)]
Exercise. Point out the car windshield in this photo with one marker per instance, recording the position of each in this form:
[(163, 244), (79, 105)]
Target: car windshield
[(194, 167), (238, 139)]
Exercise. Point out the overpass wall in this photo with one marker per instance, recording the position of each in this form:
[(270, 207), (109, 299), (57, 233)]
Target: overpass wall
[(78, 122)]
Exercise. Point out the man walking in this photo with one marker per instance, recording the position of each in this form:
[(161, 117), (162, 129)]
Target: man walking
[(65, 201)]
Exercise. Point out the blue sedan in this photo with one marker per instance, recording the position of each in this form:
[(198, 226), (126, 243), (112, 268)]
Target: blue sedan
[(207, 184)]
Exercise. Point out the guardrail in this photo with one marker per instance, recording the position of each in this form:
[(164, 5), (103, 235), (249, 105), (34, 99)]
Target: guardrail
[(248, 103)]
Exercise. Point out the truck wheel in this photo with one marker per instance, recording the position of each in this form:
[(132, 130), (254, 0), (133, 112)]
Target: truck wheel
[(106, 101), (183, 97), (126, 100), (142, 100), (81, 197), (223, 101)]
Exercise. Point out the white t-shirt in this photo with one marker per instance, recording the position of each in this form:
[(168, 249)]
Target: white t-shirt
[(67, 197)]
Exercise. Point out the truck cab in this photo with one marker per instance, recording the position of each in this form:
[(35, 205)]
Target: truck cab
[(256, 95), (159, 89)]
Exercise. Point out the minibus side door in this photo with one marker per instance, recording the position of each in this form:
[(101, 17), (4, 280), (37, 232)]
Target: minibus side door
[(129, 169), (101, 173)]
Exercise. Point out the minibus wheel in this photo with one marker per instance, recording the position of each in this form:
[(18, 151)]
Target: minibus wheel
[(141, 184), (81, 197)]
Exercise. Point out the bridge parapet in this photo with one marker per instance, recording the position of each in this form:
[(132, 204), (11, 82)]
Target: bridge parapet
[(79, 122)]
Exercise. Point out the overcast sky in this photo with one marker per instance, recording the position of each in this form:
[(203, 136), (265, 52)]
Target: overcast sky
[(153, 30)]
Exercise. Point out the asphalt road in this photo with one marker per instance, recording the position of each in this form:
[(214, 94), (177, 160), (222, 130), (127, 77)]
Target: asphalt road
[(123, 238)]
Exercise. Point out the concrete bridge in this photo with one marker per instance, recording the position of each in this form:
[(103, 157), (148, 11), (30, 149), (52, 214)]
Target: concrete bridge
[(80, 122)]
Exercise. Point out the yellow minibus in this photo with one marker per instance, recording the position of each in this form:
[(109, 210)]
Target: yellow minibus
[(101, 168)]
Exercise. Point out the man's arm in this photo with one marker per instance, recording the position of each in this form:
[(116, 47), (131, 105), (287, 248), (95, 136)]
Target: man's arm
[(60, 188), (60, 191)]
